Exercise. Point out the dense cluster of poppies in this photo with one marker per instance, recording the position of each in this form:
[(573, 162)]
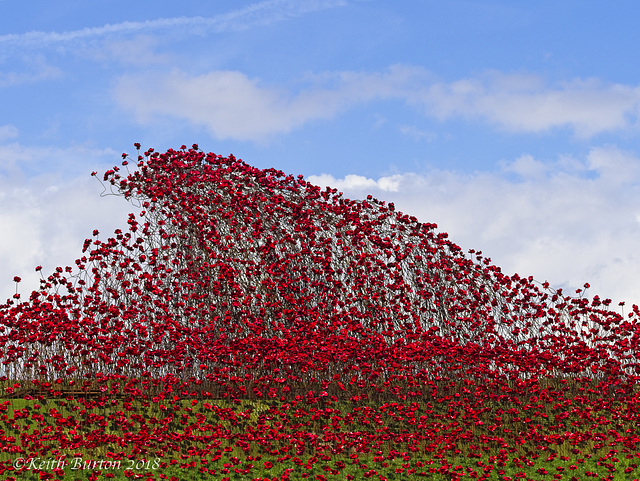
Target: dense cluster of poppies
[(239, 283)]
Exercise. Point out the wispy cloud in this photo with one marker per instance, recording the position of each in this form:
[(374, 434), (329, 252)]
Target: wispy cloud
[(417, 134), (36, 69), (136, 50), (8, 132), (261, 13)]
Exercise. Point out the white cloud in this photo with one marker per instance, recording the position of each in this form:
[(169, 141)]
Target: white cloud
[(8, 132), (232, 105), (616, 168), (524, 103), (228, 103), (417, 134), (527, 167), (354, 182), (554, 222), (45, 222), (45, 218)]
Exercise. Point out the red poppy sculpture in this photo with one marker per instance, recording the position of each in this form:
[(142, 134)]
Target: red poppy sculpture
[(231, 271)]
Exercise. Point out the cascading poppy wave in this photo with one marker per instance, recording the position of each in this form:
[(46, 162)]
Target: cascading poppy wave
[(233, 267)]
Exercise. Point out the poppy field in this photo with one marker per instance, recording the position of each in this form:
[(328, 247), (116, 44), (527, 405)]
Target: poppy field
[(249, 325)]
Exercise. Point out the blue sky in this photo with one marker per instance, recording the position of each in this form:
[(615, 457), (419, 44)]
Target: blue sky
[(515, 126)]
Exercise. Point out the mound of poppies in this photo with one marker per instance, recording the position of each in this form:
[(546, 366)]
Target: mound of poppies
[(231, 272)]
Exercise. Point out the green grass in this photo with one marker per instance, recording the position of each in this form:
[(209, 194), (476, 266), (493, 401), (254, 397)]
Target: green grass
[(217, 444)]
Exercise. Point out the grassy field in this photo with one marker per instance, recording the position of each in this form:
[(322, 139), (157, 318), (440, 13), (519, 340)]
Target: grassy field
[(452, 435)]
